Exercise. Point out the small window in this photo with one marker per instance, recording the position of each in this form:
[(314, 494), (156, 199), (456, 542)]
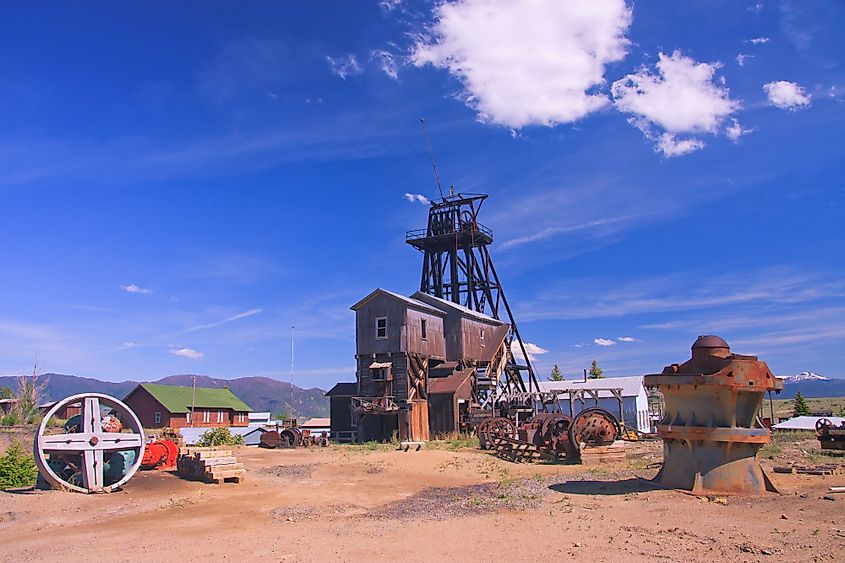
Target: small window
[(482, 339), (206, 416), (219, 416), (379, 374), (423, 331), (158, 417), (381, 327), (188, 417)]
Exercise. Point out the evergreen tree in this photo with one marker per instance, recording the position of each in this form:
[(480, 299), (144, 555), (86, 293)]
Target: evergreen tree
[(556, 374), (596, 371), (6, 393), (801, 408)]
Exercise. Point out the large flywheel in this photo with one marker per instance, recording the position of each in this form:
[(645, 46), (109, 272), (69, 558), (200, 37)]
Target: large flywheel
[(99, 449)]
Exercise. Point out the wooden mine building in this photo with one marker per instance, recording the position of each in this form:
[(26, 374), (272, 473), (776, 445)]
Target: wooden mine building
[(420, 362)]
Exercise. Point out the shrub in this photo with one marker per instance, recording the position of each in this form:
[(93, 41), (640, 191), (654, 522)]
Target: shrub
[(17, 468), (219, 437), (11, 419)]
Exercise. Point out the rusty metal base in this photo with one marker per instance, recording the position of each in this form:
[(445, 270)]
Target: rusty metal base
[(713, 468)]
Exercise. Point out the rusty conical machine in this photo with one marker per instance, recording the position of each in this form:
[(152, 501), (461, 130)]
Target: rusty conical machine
[(710, 441)]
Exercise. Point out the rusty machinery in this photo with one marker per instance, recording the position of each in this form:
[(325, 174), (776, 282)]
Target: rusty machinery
[(830, 436), (160, 454), (97, 451), (708, 429), (553, 434), (291, 437)]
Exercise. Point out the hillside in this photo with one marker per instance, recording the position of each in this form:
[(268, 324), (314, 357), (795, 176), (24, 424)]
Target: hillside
[(260, 393)]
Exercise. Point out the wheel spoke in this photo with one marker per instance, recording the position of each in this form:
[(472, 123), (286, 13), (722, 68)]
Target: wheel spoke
[(118, 441), (91, 422), (64, 442), (92, 471)]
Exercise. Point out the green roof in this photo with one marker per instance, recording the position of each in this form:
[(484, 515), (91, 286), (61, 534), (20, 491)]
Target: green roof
[(178, 399)]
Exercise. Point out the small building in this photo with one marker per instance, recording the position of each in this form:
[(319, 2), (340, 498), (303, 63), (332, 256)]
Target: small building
[(259, 418), (64, 413), (159, 406), (6, 405), (635, 407), (449, 399), (806, 422), (344, 423), (317, 426)]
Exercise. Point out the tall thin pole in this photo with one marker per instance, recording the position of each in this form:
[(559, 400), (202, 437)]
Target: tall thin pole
[(193, 397), (292, 357)]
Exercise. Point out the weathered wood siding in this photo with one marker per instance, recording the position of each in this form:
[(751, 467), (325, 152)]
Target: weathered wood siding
[(434, 345), (341, 413), (471, 337), (442, 415)]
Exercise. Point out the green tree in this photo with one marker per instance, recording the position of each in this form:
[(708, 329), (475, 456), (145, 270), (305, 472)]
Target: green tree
[(556, 374), (6, 393), (17, 468), (221, 436), (801, 408), (596, 371)]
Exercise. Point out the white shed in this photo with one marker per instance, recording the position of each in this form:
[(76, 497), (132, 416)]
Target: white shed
[(806, 422), (634, 398)]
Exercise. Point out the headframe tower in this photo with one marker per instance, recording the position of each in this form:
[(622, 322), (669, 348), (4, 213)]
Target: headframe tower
[(457, 267)]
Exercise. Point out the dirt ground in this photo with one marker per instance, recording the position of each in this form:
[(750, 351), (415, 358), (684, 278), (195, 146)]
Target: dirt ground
[(352, 503)]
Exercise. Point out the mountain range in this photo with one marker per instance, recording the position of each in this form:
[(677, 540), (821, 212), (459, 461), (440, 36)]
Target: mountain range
[(260, 393)]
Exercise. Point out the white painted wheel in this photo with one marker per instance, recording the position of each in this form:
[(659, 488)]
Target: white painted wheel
[(87, 449)]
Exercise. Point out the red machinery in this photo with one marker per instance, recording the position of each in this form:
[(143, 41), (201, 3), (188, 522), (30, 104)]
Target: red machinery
[(160, 455)]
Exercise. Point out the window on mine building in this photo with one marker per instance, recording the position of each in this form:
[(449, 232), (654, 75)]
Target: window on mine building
[(423, 331), (381, 327), (158, 417), (482, 338)]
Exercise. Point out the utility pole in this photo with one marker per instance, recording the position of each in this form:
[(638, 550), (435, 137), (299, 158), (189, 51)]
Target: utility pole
[(193, 397), (292, 356)]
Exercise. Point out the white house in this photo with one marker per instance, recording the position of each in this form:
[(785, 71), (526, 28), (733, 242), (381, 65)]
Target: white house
[(259, 418), (634, 398)]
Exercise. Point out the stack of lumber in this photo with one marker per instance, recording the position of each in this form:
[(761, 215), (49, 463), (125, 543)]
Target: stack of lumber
[(212, 465), (598, 455), (824, 469), (520, 451)]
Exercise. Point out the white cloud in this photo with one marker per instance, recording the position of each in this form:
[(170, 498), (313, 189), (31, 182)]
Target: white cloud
[(128, 344), (742, 57), (388, 6), (758, 40), (386, 62), (527, 62), (734, 131), (133, 288), (345, 66), (627, 339), (186, 353), (786, 95), (531, 348), (417, 198), (230, 319), (604, 342), (756, 8), (681, 97), (670, 145)]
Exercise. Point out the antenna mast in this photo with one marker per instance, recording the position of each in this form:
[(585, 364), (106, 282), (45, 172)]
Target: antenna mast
[(431, 155)]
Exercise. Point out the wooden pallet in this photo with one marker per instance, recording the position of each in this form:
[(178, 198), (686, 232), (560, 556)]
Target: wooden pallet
[(519, 451), (212, 465), (599, 455), (824, 469)]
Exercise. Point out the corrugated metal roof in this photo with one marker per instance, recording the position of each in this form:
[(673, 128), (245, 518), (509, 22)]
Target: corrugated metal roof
[(406, 300), (446, 304), (631, 386), (177, 399), (806, 422), (449, 384)]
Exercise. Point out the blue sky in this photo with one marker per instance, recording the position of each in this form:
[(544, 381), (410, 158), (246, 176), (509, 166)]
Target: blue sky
[(181, 184)]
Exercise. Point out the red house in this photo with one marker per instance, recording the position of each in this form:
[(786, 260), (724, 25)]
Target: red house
[(159, 406)]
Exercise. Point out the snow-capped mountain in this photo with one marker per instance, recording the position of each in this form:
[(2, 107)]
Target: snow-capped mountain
[(804, 376)]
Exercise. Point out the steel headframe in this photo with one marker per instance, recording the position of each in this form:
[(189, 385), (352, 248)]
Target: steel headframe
[(457, 267)]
